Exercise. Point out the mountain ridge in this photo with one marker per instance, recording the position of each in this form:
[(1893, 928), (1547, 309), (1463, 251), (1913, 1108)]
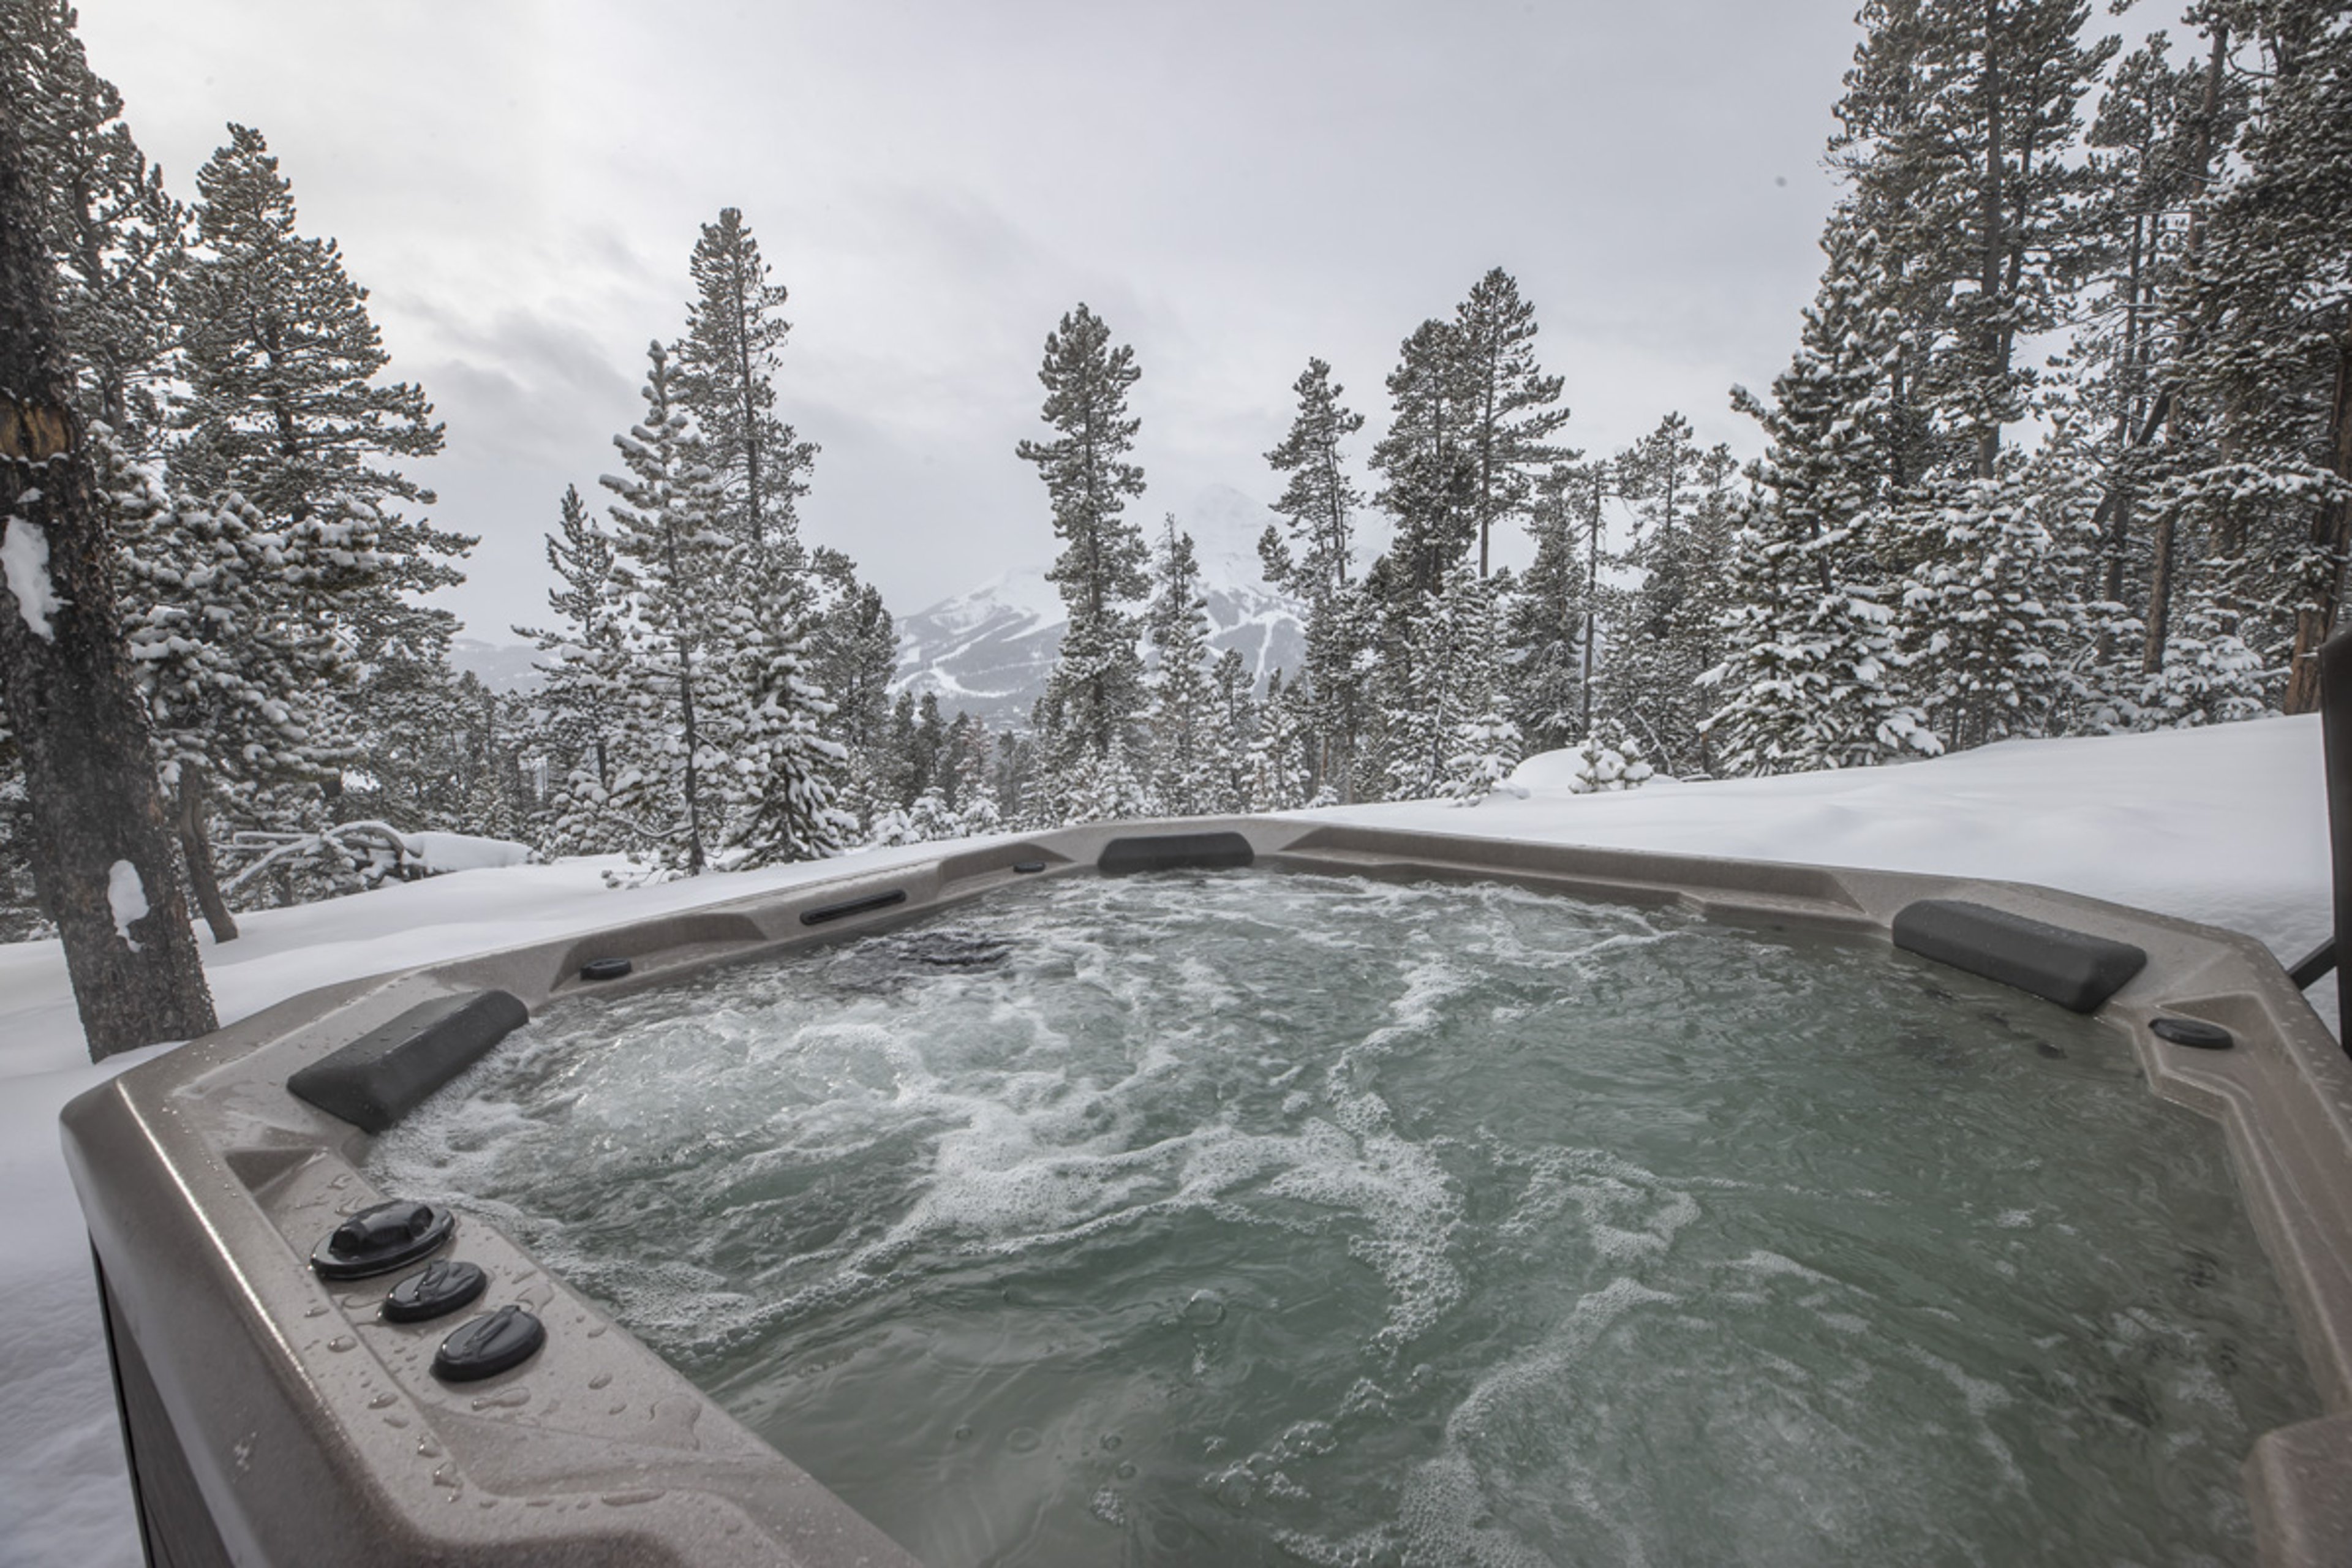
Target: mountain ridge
[(989, 650)]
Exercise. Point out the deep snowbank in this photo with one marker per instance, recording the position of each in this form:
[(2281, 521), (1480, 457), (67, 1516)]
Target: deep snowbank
[(2226, 826)]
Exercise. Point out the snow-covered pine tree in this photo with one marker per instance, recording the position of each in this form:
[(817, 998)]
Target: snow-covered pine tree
[(1233, 731), (1811, 680), (1609, 759), (1317, 564), (238, 691), (1450, 677), (490, 762), (784, 778), (1509, 405), (668, 551), (856, 655), (906, 757), (1095, 691), (1281, 778), (966, 777), (2115, 424), (1010, 772), (726, 369), (1487, 749), (1959, 129), (1961, 134), (1102, 788), (282, 405), (1672, 618), (925, 752), (1429, 475), (1544, 620), (2270, 307), (1183, 719), (282, 408), (114, 233), (585, 658), (1983, 627)]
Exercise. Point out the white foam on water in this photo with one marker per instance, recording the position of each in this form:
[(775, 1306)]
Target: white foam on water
[(1761, 1262)]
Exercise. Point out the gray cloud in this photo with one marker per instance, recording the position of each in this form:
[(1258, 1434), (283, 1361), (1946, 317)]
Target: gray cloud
[(1233, 186)]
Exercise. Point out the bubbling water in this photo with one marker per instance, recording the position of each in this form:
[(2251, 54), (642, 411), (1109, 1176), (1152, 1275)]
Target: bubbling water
[(1249, 1218)]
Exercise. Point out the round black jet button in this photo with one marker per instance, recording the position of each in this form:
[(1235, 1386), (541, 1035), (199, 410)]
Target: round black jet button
[(380, 1239), (1028, 867), (489, 1346), (435, 1291), (605, 969), (2194, 1033)]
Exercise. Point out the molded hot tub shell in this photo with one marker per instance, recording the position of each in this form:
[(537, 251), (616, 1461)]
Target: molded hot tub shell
[(272, 1417)]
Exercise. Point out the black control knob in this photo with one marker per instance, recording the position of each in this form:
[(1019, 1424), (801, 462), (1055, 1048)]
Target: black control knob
[(382, 1238)]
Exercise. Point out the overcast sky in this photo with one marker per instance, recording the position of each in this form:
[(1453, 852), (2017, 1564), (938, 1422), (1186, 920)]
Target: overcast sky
[(1232, 187)]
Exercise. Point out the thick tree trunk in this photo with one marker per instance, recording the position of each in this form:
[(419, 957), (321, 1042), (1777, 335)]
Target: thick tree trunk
[(196, 854), (2159, 599), (101, 851)]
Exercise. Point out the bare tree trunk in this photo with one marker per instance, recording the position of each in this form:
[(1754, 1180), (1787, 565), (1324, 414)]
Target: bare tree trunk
[(101, 851), (2160, 579), (196, 854), (2315, 620), (1989, 274), (2159, 599)]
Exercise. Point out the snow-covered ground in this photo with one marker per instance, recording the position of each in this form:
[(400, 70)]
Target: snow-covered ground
[(2225, 825)]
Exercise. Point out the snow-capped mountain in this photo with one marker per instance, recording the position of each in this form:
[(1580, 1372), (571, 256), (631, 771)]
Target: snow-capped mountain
[(989, 651), (504, 667)]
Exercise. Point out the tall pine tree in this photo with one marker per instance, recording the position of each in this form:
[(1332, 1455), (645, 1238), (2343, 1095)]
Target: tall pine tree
[(1094, 694), (667, 548)]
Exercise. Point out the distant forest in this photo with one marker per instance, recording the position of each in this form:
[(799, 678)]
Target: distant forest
[(2064, 447)]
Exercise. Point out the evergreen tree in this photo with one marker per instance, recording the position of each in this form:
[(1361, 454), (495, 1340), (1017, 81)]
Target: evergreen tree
[(1507, 404), (856, 655), (1320, 500), (1315, 564), (1095, 691), (1181, 719), (1607, 760), (1011, 771), (1671, 636), (726, 368), (1546, 620), (238, 692), (1447, 678), (282, 406), (581, 707), (1958, 124), (113, 232), (786, 776), (1280, 776), (1430, 476), (2270, 306), (666, 552), (1234, 732), (1487, 748), (2151, 146), (1977, 630), (283, 412), (1811, 681)]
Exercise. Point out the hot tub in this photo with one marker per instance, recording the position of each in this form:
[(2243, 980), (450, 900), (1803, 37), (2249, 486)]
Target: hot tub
[(253, 1388)]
